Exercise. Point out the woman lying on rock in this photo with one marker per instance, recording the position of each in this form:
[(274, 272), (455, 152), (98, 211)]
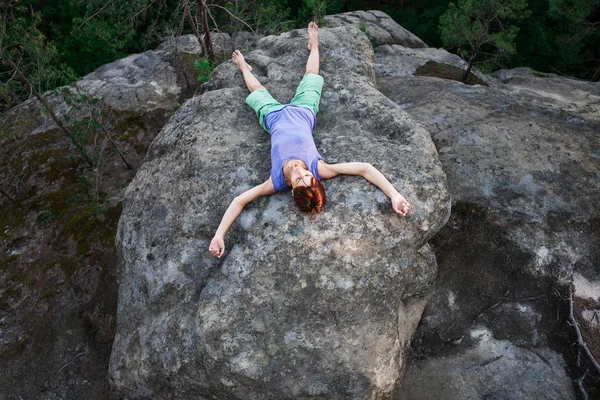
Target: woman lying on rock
[(295, 161)]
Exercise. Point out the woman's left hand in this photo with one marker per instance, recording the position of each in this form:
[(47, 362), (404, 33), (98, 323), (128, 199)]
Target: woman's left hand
[(400, 205), (217, 246)]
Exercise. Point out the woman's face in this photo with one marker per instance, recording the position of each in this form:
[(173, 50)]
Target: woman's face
[(300, 177)]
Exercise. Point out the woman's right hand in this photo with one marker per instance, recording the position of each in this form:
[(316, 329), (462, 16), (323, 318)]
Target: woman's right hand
[(217, 246)]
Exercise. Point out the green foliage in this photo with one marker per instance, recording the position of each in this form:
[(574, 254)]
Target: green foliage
[(573, 18), (79, 190), (26, 47), (54, 41), (560, 36), (238, 15), (7, 134), (420, 18), (91, 33), (572, 11), (480, 30), (204, 66), (46, 217), (316, 10), (363, 28), (100, 204), (85, 122)]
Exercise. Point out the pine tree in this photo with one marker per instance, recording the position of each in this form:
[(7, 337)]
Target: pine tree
[(480, 31)]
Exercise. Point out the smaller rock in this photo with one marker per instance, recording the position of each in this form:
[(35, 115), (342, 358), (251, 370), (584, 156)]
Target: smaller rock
[(378, 26), (492, 369)]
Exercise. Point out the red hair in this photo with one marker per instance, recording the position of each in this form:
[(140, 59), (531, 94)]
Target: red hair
[(310, 199)]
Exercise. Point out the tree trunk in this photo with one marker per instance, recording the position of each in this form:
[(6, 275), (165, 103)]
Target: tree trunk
[(596, 76), (466, 72), (204, 21), (188, 16), (116, 147), (469, 66)]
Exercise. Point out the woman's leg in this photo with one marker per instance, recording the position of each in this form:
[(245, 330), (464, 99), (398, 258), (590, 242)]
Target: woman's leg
[(312, 65), (309, 91), (259, 98), (250, 80)]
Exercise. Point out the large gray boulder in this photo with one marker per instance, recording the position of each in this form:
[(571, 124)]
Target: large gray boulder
[(296, 308), (532, 164), (144, 86), (146, 81), (522, 161)]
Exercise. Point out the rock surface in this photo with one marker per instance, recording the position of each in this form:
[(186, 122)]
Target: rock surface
[(529, 163), (483, 372), (521, 156), (296, 308), (522, 160), (525, 86), (58, 288), (377, 26), (400, 61), (138, 82), (135, 85)]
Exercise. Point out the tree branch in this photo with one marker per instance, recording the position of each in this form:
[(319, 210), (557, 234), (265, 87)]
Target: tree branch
[(142, 10), (188, 16), (115, 146), (48, 108), (580, 341), (580, 384), (93, 15), (204, 21), (233, 16)]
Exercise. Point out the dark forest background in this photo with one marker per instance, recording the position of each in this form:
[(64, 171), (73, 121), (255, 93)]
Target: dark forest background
[(54, 42)]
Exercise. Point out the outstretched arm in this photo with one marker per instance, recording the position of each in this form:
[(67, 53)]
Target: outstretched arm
[(217, 245), (370, 173)]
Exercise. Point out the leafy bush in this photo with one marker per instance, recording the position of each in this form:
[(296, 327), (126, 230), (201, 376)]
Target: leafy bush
[(26, 48), (239, 15), (204, 67), (46, 217), (316, 10), (480, 30)]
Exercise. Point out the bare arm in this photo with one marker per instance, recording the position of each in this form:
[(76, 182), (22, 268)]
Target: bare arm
[(217, 245), (370, 173)]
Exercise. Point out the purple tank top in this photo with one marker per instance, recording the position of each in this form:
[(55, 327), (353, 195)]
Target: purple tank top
[(291, 139)]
